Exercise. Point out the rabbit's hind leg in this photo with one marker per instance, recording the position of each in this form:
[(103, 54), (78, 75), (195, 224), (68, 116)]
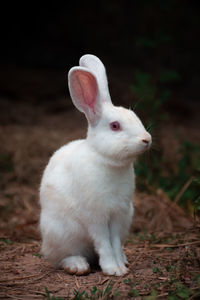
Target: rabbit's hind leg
[(77, 265)]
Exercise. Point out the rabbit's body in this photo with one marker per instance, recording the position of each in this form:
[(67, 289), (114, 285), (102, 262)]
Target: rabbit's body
[(74, 201), (87, 188)]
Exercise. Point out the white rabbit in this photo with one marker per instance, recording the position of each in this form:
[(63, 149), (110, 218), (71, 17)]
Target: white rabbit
[(87, 187)]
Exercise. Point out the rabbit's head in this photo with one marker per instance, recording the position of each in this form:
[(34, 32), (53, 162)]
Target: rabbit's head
[(114, 132)]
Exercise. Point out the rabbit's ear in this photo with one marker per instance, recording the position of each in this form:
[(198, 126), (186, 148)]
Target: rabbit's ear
[(94, 64), (84, 92)]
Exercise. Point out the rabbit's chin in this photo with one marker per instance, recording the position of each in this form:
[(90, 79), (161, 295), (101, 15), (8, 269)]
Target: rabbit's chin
[(139, 152), (129, 158), (122, 159), (133, 153)]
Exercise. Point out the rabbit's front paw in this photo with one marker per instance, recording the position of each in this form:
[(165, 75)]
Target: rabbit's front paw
[(115, 270), (76, 265)]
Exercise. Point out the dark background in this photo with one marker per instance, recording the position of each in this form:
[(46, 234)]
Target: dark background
[(149, 35)]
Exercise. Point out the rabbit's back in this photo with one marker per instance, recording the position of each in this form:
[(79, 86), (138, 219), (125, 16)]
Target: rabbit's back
[(58, 175)]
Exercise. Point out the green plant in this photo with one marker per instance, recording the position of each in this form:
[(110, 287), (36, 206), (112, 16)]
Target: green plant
[(156, 270), (153, 40), (152, 93), (133, 292), (145, 92), (49, 297), (96, 293), (6, 162), (181, 184), (169, 75), (197, 206), (180, 292), (37, 255), (153, 296), (6, 241)]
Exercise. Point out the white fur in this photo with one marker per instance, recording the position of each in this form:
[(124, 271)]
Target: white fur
[(94, 64), (87, 187)]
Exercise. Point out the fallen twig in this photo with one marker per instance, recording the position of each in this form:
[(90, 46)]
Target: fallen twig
[(104, 280), (16, 278), (76, 282), (24, 277), (162, 295), (174, 246), (183, 189)]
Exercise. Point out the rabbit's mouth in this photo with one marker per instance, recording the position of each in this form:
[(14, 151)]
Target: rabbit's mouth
[(142, 151), (145, 148), (135, 153), (131, 152)]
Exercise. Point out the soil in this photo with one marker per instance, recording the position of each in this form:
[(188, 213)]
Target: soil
[(25, 275), (163, 248)]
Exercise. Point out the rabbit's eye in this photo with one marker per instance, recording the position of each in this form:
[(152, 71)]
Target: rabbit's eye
[(115, 126)]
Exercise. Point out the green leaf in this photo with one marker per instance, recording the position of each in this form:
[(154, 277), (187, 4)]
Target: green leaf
[(164, 95), (146, 42), (37, 255), (153, 296), (169, 75), (133, 293), (93, 290), (184, 293), (155, 270), (172, 297), (116, 293), (7, 242), (108, 288)]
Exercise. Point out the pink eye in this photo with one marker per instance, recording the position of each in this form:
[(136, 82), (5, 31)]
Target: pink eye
[(115, 126)]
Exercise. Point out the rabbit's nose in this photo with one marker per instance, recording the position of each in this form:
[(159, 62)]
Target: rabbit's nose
[(147, 140)]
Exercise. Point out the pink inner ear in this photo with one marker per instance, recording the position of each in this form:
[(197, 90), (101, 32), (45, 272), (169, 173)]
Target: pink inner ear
[(87, 89)]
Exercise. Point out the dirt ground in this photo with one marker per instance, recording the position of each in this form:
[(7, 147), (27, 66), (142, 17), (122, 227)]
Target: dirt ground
[(154, 265), (163, 248)]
